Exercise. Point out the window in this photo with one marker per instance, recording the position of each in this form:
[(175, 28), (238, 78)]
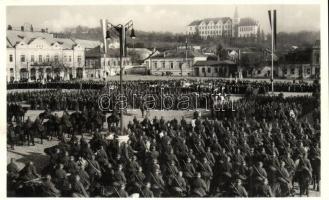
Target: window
[(203, 69), (292, 71), (209, 70), (10, 58), (114, 63), (216, 70), (22, 58), (11, 70), (308, 71), (79, 59), (40, 58), (32, 58), (172, 65), (163, 64), (155, 64), (109, 63), (56, 58), (65, 58), (70, 58), (47, 58)]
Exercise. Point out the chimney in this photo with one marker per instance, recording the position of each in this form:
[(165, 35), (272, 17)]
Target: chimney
[(22, 28)]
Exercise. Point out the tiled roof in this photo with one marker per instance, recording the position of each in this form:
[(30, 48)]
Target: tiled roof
[(214, 63), (207, 20), (179, 54), (247, 22), (15, 37), (195, 23), (9, 45), (65, 42), (87, 43)]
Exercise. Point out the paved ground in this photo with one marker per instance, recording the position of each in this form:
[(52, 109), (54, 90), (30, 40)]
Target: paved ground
[(35, 153)]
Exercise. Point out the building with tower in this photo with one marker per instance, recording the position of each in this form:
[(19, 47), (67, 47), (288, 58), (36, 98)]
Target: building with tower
[(225, 27)]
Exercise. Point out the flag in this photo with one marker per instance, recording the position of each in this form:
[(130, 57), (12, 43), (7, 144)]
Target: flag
[(104, 30), (273, 25)]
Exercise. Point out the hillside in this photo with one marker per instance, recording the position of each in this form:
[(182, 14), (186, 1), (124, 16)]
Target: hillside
[(167, 40)]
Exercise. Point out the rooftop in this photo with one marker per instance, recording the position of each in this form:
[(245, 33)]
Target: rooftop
[(87, 43), (214, 63), (207, 20), (179, 54), (248, 22)]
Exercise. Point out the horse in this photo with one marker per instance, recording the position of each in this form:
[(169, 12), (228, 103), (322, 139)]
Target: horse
[(316, 165)]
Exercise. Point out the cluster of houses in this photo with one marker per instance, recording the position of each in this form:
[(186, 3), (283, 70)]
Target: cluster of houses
[(40, 56)]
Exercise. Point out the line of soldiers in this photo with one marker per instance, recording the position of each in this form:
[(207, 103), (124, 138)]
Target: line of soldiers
[(215, 158), (227, 86)]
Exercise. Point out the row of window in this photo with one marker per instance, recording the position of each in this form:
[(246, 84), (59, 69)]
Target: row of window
[(40, 58), (163, 65), (209, 70), (212, 32), (213, 27), (248, 28), (171, 64), (292, 71), (115, 63)]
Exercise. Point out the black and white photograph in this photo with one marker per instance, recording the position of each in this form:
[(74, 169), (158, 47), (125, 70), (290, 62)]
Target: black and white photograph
[(144, 100)]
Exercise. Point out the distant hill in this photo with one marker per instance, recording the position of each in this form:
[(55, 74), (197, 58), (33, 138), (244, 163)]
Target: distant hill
[(167, 40)]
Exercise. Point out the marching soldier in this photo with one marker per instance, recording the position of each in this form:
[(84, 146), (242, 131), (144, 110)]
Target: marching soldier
[(199, 186)]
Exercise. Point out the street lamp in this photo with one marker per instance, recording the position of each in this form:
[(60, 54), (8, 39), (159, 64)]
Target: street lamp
[(120, 30), (133, 36)]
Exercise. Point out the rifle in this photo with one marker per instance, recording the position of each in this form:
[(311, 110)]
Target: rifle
[(263, 177), (117, 191), (236, 190), (175, 179), (161, 187), (140, 189), (140, 181), (34, 180), (97, 170)]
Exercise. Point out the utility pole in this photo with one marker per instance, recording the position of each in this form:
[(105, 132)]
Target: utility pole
[(120, 30)]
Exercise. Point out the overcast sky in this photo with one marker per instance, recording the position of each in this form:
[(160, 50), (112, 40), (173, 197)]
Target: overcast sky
[(173, 18)]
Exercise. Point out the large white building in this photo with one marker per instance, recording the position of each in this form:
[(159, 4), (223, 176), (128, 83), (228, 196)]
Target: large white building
[(36, 55), (224, 27), (211, 27)]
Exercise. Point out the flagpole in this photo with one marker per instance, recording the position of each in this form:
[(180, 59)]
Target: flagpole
[(272, 38)]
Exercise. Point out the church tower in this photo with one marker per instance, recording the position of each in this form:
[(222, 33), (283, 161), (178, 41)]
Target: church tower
[(236, 21)]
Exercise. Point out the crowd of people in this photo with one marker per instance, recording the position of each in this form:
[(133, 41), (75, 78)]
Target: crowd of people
[(262, 149), (230, 86)]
